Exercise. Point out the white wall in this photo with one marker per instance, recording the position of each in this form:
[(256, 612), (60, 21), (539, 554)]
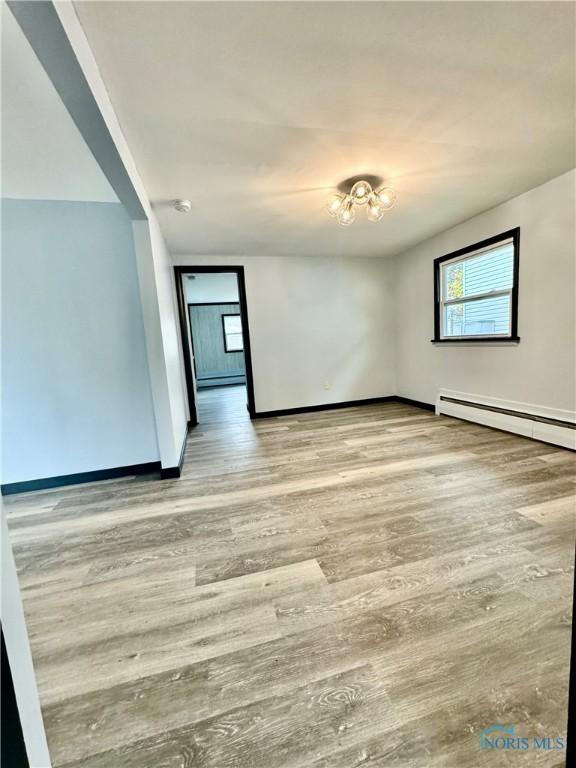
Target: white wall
[(76, 387), (85, 135), (154, 265), (157, 291), (540, 370), (317, 322), (216, 287)]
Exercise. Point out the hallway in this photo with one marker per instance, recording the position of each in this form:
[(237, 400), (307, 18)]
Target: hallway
[(222, 407)]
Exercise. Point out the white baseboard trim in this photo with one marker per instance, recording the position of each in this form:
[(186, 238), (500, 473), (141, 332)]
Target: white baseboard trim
[(529, 422)]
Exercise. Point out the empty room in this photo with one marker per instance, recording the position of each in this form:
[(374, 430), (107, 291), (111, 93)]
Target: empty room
[(288, 406)]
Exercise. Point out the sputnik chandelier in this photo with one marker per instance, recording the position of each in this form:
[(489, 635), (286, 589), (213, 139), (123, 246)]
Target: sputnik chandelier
[(342, 206)]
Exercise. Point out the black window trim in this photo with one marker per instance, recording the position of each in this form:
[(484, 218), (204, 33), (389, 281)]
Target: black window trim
[(231, 351), (514, 235)]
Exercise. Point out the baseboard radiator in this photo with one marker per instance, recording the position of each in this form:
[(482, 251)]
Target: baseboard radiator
[(550, 425)]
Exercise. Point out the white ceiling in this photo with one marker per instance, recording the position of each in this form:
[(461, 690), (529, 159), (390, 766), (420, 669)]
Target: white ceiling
[(44, 157), (255, 111)]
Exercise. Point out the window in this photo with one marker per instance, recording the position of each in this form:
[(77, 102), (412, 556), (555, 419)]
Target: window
[(476, 291), (232, 328)]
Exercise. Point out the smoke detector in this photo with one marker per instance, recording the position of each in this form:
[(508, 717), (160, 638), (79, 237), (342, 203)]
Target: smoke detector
[(182, 206)]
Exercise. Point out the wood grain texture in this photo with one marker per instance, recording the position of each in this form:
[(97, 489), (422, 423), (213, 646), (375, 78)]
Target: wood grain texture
[(367, 586)]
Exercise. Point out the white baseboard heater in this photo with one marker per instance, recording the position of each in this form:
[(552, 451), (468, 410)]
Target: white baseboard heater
[(551, 425)]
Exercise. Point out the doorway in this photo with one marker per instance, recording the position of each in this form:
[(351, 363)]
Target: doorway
[(215, 334)]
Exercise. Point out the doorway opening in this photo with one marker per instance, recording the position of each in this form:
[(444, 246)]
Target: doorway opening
[(215, 337)]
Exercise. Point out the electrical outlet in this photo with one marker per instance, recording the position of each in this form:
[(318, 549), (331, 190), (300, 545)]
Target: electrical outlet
[(327, 385)]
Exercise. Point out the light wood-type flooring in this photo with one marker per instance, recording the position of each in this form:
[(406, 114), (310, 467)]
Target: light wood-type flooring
[(370, 586)]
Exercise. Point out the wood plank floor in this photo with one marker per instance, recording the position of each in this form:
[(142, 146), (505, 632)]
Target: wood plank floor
[(371, 586)]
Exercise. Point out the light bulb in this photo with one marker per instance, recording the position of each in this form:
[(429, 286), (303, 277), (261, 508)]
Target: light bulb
[(386, 197), (374, 212), (346, 215), (360, 192), (335, 204)]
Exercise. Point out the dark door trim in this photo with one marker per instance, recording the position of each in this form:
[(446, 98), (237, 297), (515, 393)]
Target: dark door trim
[(186, 341)]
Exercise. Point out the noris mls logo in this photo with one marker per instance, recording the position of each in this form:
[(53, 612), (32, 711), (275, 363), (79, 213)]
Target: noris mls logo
[(503, 737)]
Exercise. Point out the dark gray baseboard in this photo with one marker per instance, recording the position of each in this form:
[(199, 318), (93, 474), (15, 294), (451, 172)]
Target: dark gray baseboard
[(44, 483), (324, 407), (344, 404), (415, 403), (172, 473)]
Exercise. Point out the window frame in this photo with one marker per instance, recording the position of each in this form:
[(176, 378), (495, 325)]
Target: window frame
[(232, 314), (462, 255)]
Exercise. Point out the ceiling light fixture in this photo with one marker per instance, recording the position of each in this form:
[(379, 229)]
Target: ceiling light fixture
[(342, 207)]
